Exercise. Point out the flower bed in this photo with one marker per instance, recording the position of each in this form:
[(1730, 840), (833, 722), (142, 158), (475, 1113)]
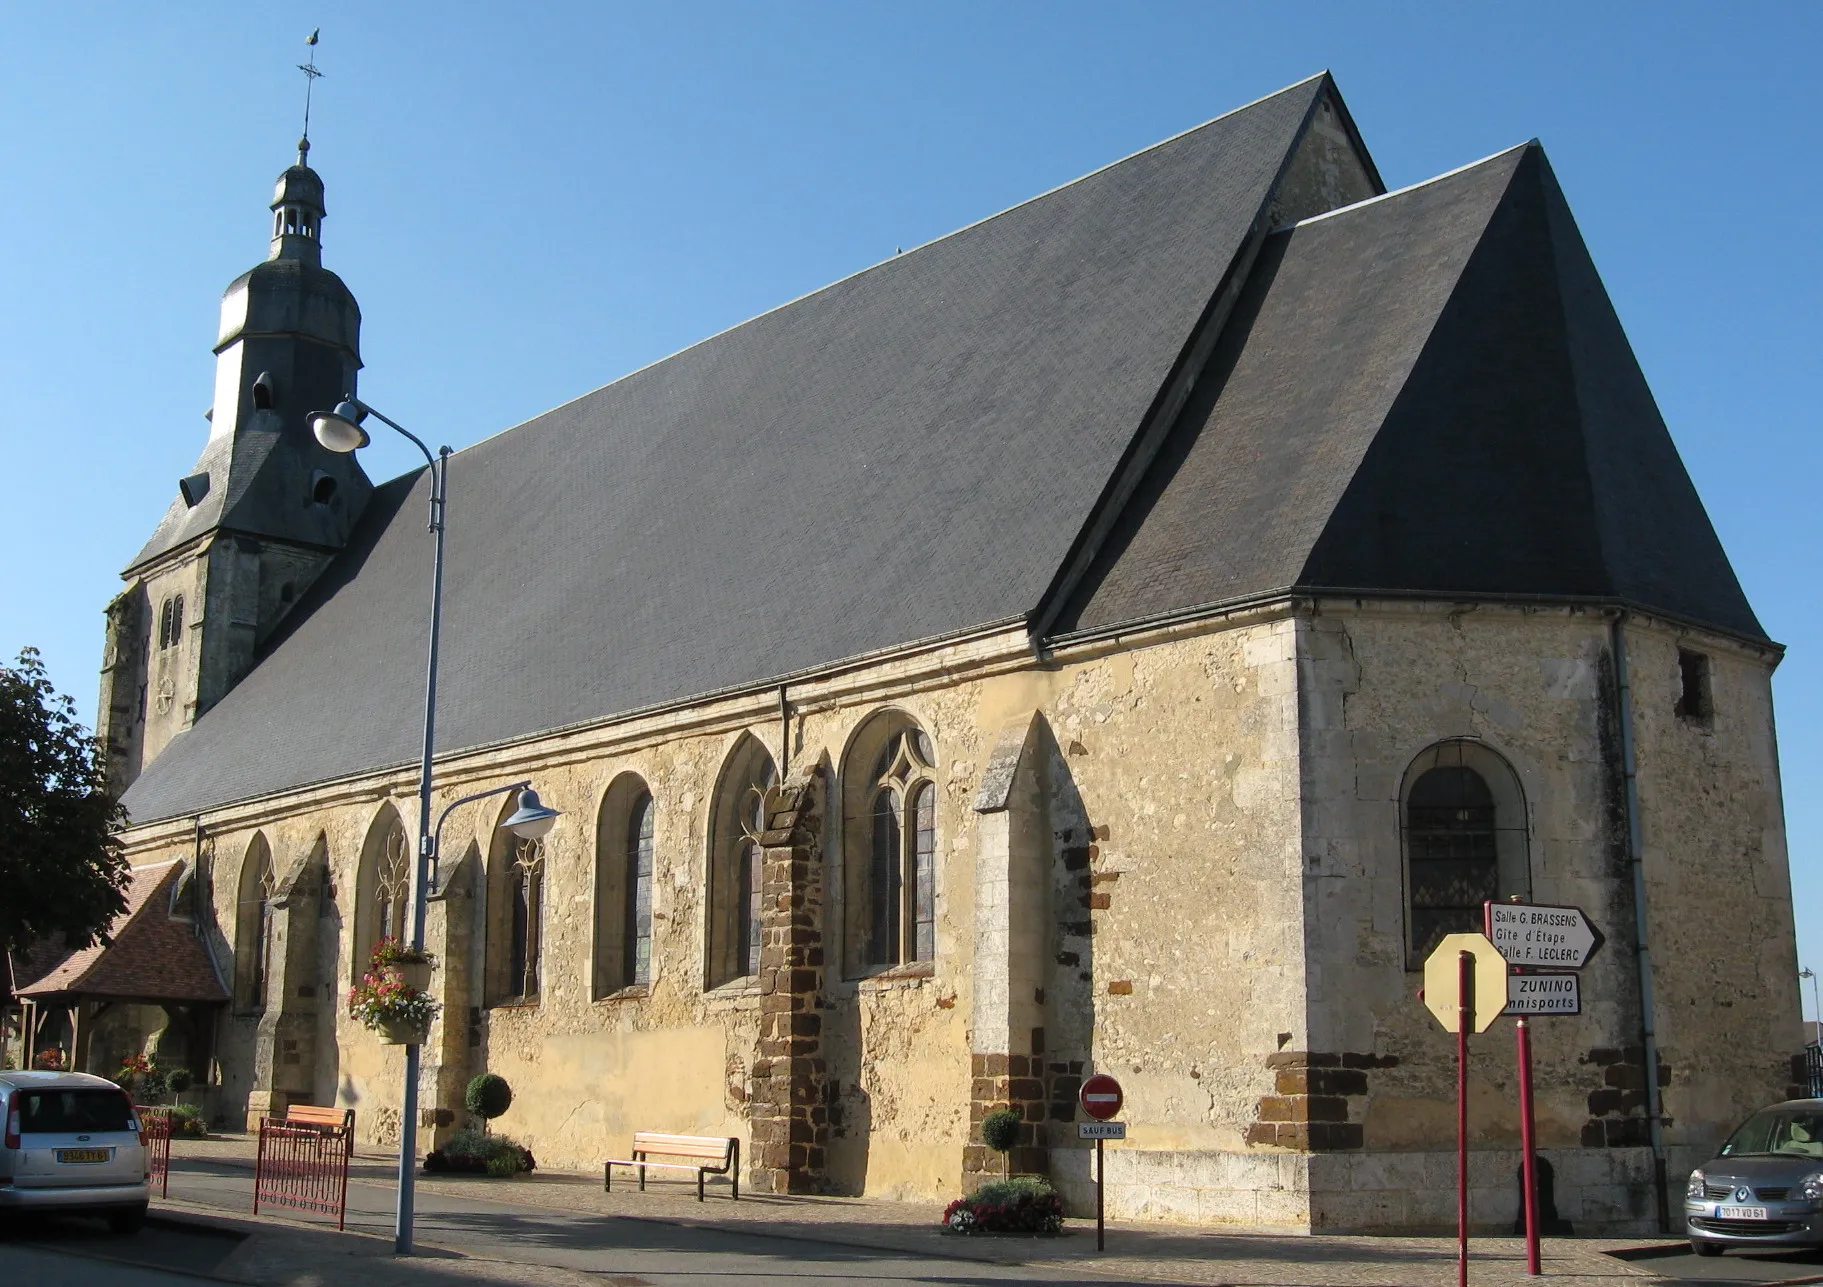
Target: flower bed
[(1022, 1205), (472, 1153)]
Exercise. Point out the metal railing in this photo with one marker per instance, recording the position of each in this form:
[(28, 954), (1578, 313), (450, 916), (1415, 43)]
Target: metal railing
[(303, 1163), (155, 1134), (1813, 1069)]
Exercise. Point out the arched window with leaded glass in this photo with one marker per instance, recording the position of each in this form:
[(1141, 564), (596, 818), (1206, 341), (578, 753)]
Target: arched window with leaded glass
[(889, 845), (735, 876), (624, 856), (253, 926), (1464, 826)]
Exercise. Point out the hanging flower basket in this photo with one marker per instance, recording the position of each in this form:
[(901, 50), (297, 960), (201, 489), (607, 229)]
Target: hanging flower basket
[(402, 1032), (413, 965), (414, 974), (385, 999)]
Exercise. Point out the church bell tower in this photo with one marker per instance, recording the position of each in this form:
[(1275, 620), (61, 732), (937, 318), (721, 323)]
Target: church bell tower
[(264, 509)]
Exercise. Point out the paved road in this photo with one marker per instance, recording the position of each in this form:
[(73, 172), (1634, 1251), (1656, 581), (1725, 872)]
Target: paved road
[(42, 1268), (530, 1246), (1673, 1260), (636, 1251)]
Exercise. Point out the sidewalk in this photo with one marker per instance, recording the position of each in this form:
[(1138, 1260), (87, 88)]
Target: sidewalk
[(1161, 1253)]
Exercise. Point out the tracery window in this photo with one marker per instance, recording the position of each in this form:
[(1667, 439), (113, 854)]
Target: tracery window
[(1465, 842), (382, 893), (890, 845), (253, 926), (526, 874), (392, 886), (624, 855), (735, 875)]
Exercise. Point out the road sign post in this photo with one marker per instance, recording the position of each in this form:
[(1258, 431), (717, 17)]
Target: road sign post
[(1528, 1151), (1465, 986), (1101, 1098), (1531, 937), (1465, 1019)]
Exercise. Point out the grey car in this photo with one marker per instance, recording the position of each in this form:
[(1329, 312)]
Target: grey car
[(71, 1147), (1765, 1187)]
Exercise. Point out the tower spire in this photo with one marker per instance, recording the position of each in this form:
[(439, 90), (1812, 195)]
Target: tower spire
[(311, 76)]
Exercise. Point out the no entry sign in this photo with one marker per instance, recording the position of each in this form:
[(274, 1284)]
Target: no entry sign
[(1101, 1097)]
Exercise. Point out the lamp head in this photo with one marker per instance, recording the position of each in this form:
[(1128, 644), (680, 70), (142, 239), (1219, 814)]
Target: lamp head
[(532, 820), (340, 430)]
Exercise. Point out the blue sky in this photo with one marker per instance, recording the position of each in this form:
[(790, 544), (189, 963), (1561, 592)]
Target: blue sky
[(532, 201)]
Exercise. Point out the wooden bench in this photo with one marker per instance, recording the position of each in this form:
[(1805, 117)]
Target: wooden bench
[(716, 1156), (339, 1119)]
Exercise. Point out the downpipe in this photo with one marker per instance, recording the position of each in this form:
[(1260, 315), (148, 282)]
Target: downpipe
[(1648, 1022)]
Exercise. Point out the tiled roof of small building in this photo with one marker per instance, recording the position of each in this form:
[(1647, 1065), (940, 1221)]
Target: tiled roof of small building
[(153, 956)]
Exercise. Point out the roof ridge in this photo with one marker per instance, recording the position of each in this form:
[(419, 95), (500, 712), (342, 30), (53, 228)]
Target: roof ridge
[(1412, 187), (881, 263)]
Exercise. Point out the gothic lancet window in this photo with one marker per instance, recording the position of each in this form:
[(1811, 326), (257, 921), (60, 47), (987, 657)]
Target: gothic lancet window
[(735, 875), (890, 844), (526, 876), (253, 926), (639, 901), (624, 854), (1465, 842), (516, 873), (382, 887)]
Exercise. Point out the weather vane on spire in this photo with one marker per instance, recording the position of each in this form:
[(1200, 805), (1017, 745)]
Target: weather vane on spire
[(311, 76)]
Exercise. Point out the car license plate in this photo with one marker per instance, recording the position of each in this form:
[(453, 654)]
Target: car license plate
[(1742, 1213), (82, 1155)]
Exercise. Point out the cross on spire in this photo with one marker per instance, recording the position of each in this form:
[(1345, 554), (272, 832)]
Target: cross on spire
[(311, 76)]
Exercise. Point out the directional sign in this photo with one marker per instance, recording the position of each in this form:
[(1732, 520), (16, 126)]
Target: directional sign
[(1101, 1097), (1556, 938), (1544, 994), (1101, 1130), (1442, 981)]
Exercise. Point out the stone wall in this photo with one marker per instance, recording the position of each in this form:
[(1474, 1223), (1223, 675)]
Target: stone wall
[(1175, 858)]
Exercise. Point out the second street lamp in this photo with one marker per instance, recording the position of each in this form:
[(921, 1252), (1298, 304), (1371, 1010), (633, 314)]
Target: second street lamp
[(340, 431)]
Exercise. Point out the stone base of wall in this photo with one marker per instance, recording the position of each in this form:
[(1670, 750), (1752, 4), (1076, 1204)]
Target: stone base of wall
[(1606, 1192)]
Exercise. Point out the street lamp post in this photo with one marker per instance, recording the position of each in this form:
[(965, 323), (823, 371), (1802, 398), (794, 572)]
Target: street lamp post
[(340, 431), (1816, 1009)]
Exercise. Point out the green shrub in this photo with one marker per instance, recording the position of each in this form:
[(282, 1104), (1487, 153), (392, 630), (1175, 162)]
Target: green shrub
[(1024, 1204), (471, 1152), (187, 1123), (1000, 1131), (488, 1096), (178, 1080), (1020, 1186)]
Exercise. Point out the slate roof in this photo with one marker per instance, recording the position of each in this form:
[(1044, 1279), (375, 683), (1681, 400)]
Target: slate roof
[(152, 955), (1428, 393), (901, 455), (919, 450)]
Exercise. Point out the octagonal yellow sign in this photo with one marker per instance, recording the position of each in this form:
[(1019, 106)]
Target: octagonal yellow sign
[(1442, 981)]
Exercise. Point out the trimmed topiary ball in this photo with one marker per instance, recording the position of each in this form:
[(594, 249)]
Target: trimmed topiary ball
[(1000, 1129), (488, 1096)]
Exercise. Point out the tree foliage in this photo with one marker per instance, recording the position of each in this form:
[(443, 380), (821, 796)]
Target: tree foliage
[(61, 869)]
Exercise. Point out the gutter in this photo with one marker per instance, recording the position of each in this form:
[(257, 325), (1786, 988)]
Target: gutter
[(1648, 1023)]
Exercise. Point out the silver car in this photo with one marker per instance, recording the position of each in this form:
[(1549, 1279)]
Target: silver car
[(71, 1145), (1765, 1187)]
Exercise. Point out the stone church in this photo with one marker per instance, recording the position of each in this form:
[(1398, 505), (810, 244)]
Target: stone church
[(1122, 635)]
